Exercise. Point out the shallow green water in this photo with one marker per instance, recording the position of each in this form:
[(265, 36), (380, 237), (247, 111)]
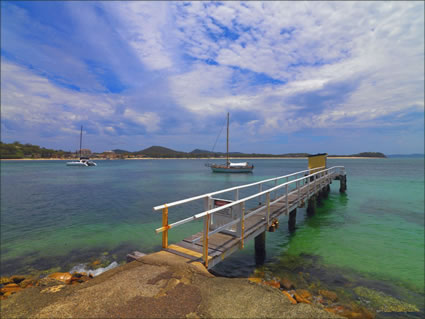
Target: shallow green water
[(53, 215)]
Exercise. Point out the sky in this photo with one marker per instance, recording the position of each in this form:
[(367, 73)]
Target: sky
[(336, 77)]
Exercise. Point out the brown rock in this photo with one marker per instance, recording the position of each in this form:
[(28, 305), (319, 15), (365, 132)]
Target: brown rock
[(272, 283), (27, 283), (5, 280), (286, 284), (95, 263), (301, 299), (350, 313), (304, 293), (64, 277), (80, 279), (328, 294), (255, 280), (7, 291), (292, 300), (17, 279), (3, 297), (11, 285)]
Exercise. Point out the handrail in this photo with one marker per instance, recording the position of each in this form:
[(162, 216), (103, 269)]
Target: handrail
[(183, 201), (239, 201)]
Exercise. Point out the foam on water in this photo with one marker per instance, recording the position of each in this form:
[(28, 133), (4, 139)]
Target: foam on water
[(94, 272)]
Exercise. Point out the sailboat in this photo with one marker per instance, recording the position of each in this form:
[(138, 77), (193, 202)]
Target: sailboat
[(84, 161), (229, 167)]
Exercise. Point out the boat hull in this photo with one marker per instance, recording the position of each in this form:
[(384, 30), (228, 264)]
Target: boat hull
[(232, 169), (76, 164)]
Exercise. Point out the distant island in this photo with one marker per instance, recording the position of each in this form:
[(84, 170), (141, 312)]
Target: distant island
[(17, 150)]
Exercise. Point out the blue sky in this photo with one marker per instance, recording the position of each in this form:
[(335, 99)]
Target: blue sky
[(336, 77)]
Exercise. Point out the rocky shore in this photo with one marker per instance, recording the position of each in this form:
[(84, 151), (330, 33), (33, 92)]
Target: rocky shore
[(163, 285), (160, 285)]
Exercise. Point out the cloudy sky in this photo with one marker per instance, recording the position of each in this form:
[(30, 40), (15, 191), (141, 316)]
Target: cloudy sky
[(336, 77)]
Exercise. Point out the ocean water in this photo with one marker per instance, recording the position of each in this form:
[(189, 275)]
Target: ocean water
[(373, 236)]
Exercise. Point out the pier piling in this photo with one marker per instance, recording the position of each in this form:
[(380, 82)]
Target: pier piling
[(311, 206), (260, 248), (342, 183), (292, 220)]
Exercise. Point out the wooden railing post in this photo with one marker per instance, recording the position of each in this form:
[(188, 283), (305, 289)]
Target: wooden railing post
[(165, 225), (242, 225), (205, 238)]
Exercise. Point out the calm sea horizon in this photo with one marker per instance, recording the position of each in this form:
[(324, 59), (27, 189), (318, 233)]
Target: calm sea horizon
[(57, 217)]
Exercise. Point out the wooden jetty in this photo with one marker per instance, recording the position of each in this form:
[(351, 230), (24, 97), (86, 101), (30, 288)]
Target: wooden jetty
[(228, 224)]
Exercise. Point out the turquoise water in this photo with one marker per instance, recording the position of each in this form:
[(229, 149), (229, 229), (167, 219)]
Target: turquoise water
[(53, 215)]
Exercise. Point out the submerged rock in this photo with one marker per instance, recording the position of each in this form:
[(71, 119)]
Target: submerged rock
[(5, 280), (17, 279), (64, 277), (304, 293), (286, 284), (347, 312), (329, 295), (383, 302)]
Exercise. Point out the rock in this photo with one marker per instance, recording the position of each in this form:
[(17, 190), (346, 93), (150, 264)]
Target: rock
[(286, 284), (383, 302), (80, 279), (301, 299), (27, 283), (255, 280), (358, 313), (134, 256), (3, 297), (329, 295), (95, 263), (292, 300), (304, 293), (7, 291), (272, 283), (5, 280), (64, 277), (11, 285), (17, 279), (52, 289)]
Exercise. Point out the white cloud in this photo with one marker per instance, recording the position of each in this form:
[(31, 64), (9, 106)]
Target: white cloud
[(149, 120), (144, 26)]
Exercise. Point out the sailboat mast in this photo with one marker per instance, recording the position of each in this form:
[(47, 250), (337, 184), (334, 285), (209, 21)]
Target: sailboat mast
[(227, 151), (81, 138)]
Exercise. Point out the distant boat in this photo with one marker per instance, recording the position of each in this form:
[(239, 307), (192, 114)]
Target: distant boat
[(229, 167), (84, 161)]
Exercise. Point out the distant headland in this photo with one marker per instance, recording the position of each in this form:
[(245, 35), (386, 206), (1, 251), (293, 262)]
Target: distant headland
[(17, 150)]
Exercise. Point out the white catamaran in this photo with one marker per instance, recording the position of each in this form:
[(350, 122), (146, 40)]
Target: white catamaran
[(229, 167), (84, 161)]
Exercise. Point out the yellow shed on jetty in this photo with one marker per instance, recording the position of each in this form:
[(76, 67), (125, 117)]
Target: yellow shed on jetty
[(317, 161)]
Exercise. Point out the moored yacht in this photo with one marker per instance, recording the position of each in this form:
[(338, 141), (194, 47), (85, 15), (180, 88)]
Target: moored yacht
[(229, 167), (84, 161)]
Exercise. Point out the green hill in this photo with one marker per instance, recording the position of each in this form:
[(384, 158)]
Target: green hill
[(159, 151), (17, 150)]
